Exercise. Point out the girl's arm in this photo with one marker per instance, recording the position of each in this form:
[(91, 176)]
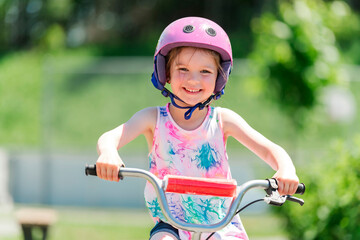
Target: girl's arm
[(109, 161), (274, 155)]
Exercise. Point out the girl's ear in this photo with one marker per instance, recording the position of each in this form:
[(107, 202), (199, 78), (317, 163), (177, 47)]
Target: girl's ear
[(168, 80)]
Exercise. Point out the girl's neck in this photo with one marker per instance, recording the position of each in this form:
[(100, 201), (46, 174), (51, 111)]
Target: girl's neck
[(197, 117)]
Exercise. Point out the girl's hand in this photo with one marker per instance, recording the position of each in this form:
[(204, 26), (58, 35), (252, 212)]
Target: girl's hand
[(108, 166), (288, 181)]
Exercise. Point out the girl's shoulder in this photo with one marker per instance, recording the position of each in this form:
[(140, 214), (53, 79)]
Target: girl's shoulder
[(226, 114), (149, 112), (146, 117), (229, 119)]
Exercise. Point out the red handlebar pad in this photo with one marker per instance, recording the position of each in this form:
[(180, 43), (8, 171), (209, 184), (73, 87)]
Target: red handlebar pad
[(200, 186)]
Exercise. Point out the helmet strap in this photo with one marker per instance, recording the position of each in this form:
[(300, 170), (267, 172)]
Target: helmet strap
[(165, 92)]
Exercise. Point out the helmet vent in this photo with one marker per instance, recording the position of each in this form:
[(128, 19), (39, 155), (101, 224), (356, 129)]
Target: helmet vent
[(188, 28), (210, 31)]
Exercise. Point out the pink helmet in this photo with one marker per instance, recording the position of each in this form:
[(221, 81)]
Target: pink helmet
[(193, 32)]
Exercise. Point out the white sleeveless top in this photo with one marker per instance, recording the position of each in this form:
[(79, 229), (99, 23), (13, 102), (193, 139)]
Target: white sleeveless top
[(197, 153)]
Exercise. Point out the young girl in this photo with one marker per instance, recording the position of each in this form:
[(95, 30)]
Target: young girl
[(187, 136)]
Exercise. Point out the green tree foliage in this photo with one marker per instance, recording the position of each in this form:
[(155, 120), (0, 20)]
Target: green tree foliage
[(296, 52), (116, 27), (27, 23), (331, 209)]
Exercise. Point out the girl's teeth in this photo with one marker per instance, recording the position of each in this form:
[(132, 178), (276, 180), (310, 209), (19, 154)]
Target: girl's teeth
[(192, 90)]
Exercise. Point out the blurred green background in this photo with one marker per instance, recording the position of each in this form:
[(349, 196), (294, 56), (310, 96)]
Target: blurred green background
[(71, 70)]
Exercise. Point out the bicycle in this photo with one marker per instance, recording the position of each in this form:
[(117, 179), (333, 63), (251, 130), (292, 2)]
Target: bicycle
[(206, 186)]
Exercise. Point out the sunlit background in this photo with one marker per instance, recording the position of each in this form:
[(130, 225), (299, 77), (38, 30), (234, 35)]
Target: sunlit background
[(71, 70)]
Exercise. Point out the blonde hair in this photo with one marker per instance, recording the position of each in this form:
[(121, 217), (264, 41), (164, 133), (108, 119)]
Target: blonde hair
[(171, 56)]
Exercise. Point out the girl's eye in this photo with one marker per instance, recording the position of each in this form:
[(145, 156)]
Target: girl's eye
[(183, 69), (205, 71)]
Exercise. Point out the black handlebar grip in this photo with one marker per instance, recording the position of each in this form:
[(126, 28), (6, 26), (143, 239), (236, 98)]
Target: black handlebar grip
[(301, 189), (90, 170)]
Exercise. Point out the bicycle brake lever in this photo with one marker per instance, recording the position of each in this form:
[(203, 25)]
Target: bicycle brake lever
[(295, 199), (275, 199)]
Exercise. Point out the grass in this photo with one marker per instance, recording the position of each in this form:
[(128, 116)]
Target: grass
[(102, 224), (134, 224)]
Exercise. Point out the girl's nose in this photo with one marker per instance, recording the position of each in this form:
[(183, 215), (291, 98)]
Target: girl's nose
[(194, 78)]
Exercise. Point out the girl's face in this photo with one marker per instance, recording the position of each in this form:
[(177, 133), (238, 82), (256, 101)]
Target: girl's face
[(193, 75)]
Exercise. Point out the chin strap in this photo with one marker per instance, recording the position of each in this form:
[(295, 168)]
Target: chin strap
[(165, 92)]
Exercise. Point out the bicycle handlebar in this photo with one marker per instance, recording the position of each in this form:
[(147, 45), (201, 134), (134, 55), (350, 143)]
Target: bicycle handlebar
[(160, 189)]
